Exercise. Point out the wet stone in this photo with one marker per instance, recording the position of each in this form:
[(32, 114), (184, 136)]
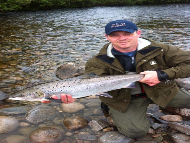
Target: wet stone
[(145, 142), (3, 96), (14, 110), (148, 137), (115, 137), (41, 113), (87, 137), (77, 122), (182, 127), (94, 104), (171, 118), (8, 124), (72, 107), (98, 125), (157, 125), (67, 71), (46, 135), (158, 139), (184, 112), (180, 138), (15, 139)]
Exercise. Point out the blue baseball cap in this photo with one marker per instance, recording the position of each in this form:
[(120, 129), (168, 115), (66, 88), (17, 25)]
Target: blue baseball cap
[(120, 25)]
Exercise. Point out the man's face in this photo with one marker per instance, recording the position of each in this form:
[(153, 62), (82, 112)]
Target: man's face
[(124, 41)]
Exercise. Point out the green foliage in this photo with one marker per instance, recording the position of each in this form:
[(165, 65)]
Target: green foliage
[(18, 5)]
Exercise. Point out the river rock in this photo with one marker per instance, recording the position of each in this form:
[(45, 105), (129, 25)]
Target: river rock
[(68, 70), (72, 107), (15, 139), (182, 127), (3, 96), (94, 104), (115, 137), (14, 110), (41, 113), (87, 137), (77, 122), (97, 112), (46, 135), (180, 138), (8, 124), (171, 118), (24, 124), (184, 112), (98, 125)]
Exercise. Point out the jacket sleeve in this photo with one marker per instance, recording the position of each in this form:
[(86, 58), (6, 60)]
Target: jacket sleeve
[(94, 66), (178, 62)]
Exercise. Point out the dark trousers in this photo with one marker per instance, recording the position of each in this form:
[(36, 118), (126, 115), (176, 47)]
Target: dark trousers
[(134, 123)]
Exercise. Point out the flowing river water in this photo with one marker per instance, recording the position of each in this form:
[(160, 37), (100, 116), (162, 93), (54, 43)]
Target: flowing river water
[(34, 44)]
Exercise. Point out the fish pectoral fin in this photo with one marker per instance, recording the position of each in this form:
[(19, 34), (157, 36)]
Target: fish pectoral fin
[(104, 95), (54, 100)]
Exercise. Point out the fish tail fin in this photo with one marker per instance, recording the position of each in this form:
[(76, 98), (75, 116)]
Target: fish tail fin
[(104, 95)]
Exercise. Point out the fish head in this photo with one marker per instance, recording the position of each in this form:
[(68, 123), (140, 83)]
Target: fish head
[(29, 96)]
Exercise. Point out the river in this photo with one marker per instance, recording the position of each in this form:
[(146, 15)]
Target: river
[(34, 44)]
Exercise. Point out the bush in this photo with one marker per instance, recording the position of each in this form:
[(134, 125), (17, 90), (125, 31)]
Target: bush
[(17, 5)]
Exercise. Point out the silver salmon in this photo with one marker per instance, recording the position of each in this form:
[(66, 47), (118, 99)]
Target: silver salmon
[(78, 87)]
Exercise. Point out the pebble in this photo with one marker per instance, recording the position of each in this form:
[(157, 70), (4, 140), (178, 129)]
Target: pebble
[(180, 138), (98, 125), (182, 127), (24, 124), (26, 130), (14, 110), (77, 122), (115, 137), (3, 96), (8, 124), (87, 137), (41, 113), (93, 104), (72, 107), (46, 135), (157, 125), (171, 118), (97, 112), (184, 112), (15, 139), (67, 71)]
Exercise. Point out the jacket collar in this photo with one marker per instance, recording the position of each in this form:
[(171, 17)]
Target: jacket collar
[(142, 43)]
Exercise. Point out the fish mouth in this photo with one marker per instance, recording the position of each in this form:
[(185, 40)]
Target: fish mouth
[(25, 99)]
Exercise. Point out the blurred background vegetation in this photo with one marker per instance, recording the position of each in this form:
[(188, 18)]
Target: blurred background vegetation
[(22, 5)]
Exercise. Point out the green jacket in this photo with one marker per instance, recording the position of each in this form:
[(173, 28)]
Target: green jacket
[(172, 60)]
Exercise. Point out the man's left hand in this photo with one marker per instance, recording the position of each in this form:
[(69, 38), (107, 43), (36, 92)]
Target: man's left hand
[(150, 78)]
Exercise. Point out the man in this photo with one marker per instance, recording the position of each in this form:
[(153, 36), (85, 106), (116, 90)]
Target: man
[(160, 63)]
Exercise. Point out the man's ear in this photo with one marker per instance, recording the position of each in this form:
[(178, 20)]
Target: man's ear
[(106, 37), (139, 33)]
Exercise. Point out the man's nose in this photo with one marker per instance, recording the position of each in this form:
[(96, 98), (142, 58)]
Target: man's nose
[(122, 37)]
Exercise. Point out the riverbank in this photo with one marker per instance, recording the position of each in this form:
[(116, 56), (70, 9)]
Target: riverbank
[(33, 5)]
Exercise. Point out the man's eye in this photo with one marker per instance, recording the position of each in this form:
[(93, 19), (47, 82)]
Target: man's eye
[(128, 33), (115, 35)]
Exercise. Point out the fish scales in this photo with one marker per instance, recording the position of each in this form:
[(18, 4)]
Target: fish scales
[(77, 87)]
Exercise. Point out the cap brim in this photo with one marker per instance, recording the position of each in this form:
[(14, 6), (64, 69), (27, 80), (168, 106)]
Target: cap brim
[(126, 30)]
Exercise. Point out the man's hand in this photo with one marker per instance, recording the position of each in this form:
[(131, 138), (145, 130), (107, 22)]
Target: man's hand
[(65, 98), (150, 78)]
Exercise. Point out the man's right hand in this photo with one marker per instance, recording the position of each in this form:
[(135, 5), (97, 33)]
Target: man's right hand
[(65, 98)]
